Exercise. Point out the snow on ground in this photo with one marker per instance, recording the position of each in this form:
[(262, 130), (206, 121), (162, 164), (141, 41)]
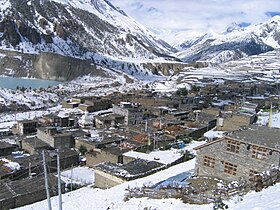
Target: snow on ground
[(29, 98), (164, 157), (88, 198), (7, 120), (263, 118), (214, 134), (14, 166), (158, 156), (79, 175)]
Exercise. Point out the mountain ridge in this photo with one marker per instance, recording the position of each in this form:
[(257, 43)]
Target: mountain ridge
[(235, 43), (92, 30)]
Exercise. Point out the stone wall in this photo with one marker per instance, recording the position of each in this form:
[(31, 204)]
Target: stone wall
[(45, 137), (104, 180), (234, 122), (244, 161), (89, 145), (100, 156)]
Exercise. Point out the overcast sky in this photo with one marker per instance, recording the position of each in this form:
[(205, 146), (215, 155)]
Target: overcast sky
[(198, 16)]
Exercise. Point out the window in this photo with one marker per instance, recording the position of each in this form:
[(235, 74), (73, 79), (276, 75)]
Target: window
[(259, 153), (233, 146), (230, 168), (252, 175), (209, 161)]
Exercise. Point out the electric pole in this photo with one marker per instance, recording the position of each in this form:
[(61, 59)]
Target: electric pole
[(46, 180), (59, 181)]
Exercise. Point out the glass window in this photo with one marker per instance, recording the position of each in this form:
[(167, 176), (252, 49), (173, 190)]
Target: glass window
[(233, 146), (209, 161), (259, 153), (252, 175), (230, 168)]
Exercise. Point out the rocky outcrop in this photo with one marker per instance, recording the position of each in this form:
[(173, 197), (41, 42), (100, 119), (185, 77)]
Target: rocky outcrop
[(56, 67), (46, 66), (165, 67), (9, 30)]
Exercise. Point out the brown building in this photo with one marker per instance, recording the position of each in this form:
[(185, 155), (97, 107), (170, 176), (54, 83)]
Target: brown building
[(133, 114), (229, 121), (111, 154), (60, 121)]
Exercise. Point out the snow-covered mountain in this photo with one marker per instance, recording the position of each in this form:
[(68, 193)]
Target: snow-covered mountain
[(73, 27), (236, 42), (92, 30)]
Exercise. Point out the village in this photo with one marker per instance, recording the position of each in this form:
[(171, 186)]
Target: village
[(111, 134)]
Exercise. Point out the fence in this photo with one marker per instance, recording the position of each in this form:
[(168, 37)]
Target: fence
[(188, 194)]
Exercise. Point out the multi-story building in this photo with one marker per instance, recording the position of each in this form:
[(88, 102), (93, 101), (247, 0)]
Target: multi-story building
[(55, 137), (241, 155), (133, 114), (25, 127)]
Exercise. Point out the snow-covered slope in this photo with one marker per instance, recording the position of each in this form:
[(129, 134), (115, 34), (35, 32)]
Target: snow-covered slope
[(113, 198), (75, 28), (92, 30), (235, 43)]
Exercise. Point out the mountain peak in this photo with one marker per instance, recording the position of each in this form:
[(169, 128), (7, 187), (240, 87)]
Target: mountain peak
[(275, 18), (234, 26), (235, 43)]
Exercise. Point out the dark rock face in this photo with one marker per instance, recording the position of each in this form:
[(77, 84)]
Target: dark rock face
[(30, 33), (10, 33), (61, 32)]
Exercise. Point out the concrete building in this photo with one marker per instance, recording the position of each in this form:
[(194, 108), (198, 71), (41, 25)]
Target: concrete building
[(241, 155), (107, 121), (61, 121), (25, 127), (133, 114), (33, 145), (56, 138), (6, 148)]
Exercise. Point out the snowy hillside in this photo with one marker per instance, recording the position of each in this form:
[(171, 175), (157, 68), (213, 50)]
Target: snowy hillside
[(75, 28), (89, 198), (235, 43), (252, 69), (90, 30)]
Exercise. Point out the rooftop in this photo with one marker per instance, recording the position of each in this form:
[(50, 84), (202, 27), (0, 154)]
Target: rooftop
[(261, 135), (35, 142), (133, 169), (4, 145)]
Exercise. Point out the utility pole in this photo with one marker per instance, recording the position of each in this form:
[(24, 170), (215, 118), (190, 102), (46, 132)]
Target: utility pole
[(59, 181), (29, 169), (71, 178), (46, 180)]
